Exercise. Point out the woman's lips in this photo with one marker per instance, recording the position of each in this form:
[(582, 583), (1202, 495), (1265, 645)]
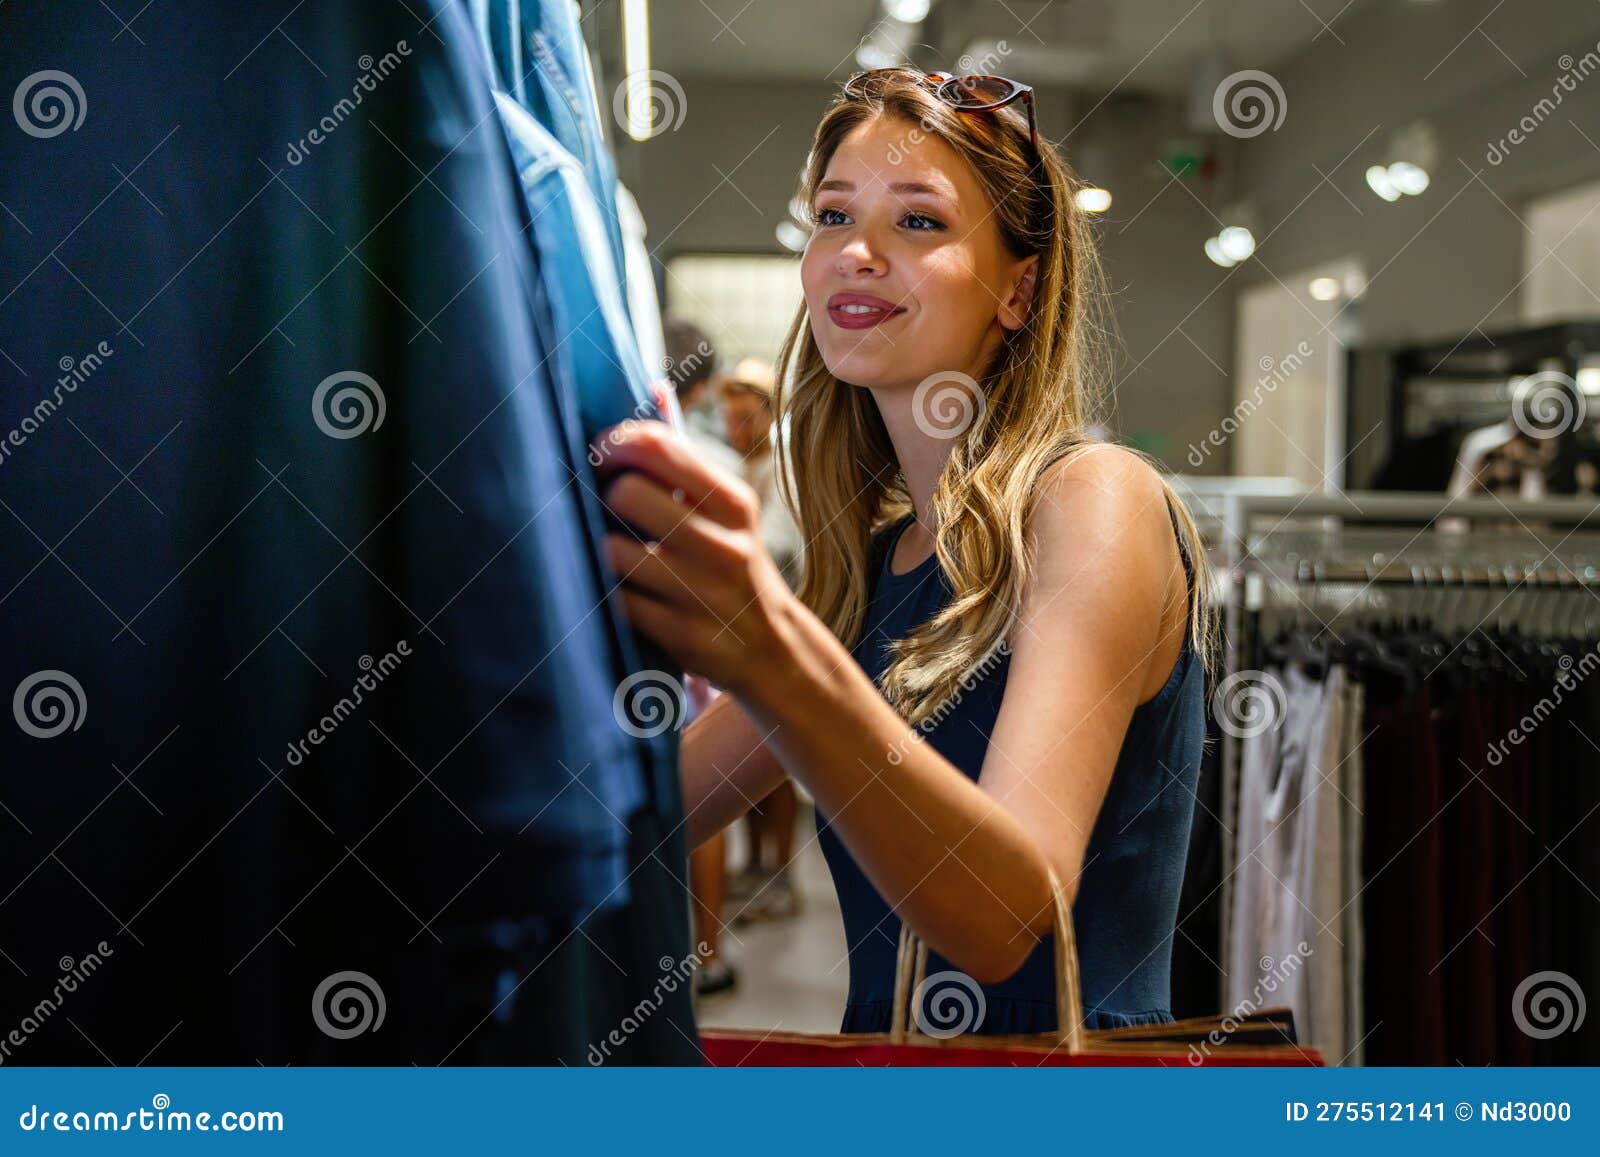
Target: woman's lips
[(860, 310)]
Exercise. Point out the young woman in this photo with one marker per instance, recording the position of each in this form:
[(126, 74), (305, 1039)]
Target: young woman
[(994, 666)]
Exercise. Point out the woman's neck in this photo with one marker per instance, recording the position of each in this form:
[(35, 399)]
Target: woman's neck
[(921, 456)]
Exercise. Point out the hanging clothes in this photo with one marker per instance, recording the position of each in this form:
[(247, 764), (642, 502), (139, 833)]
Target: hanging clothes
[(459, 833), (539, 59), (1470, 826), (1287, 944), (643, 303), (592, 338)]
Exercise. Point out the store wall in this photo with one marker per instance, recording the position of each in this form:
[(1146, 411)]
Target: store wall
[(1450, 259)]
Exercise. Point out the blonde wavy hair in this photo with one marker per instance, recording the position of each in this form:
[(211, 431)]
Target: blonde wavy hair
[(1042, 390)]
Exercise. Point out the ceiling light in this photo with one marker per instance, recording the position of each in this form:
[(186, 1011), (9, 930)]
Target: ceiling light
[(791, 236), (1214, 251), (1379, 181), (911, 11), (1093, 199), (1236, 242), (1408, 178), (1324, 288), (871, 55), (636, 63)]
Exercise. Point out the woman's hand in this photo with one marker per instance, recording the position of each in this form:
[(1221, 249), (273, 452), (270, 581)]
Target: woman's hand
[(701, 585)]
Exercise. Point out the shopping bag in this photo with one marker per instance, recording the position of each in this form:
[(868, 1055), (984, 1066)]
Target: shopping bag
[(1263, 1037)]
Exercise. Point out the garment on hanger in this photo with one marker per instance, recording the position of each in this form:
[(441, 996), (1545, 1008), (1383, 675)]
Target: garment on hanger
[(540, 59), (444, 831), (643, 304), (1352, 787), (593, 338), (1470, 828), (1288, 891)]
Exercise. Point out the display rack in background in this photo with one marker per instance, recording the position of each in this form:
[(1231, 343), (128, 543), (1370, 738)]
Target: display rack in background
[(1399, 850), (1412, 406)]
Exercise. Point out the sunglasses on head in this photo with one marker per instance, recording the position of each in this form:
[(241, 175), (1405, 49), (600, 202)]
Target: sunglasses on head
[(964, 93)]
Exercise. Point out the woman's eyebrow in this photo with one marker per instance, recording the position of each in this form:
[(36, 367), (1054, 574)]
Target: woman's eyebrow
[(901, 187)]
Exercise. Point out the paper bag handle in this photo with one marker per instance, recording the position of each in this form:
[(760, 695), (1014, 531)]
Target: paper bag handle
[(911, 965)]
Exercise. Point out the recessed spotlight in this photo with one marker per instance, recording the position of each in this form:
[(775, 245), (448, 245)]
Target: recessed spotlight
[(872, 55), (791, 236), (1324, 288), (909, 11), (1214, 251), (1379, 181), (1237, 242), (1093, 199), (1408, 178)]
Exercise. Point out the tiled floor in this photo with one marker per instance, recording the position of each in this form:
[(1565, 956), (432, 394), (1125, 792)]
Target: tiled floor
[(792, 973)]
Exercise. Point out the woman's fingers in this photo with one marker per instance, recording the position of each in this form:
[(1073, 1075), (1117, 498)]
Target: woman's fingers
[(656, 450), (641, 502), (640, 565), (651, 617)]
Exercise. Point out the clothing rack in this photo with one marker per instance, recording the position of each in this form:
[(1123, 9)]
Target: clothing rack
[(1516, 546)]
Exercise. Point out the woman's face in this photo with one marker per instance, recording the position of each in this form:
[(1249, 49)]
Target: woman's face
[(905, 275)]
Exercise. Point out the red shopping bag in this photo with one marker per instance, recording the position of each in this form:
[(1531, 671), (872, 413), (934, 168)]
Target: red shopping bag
[(1261, 1038)]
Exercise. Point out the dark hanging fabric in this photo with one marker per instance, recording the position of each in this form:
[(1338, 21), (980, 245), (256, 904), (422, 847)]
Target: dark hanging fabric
[(1401, 857), (1479, 860), (478, 837)]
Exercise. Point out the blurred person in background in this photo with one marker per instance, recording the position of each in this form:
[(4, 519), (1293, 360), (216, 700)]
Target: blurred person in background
[(691, 366), (765, 886), (747, 411)]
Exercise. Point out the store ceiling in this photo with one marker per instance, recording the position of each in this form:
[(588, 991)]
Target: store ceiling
[(1096, 45)]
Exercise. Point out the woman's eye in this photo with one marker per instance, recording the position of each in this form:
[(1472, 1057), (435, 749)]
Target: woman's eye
[(828, 217), (921, 222)]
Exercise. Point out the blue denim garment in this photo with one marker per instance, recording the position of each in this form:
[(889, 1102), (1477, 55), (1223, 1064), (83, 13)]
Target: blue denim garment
[(536, 49), (594, 341)]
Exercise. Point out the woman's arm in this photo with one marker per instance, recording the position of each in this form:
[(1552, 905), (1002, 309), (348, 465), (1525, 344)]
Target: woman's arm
[(726, 767), (965, 864)]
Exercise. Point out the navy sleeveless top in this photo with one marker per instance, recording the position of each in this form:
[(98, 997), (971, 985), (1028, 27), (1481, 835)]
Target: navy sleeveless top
[(1126, 909)]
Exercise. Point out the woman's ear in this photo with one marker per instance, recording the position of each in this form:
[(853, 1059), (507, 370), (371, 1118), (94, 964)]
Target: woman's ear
[(1014, 309)]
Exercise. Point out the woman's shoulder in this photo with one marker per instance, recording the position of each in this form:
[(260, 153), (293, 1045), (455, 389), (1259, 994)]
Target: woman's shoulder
[(1103, 537), (1102, 483)]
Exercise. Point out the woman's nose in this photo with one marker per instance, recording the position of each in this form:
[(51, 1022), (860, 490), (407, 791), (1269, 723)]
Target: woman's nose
[(858, 258)]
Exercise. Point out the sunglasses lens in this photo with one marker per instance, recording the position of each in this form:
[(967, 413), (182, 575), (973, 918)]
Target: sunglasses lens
[(977, 92)]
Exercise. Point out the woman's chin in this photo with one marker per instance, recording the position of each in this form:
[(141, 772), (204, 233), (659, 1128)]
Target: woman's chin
[(858, 371)]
